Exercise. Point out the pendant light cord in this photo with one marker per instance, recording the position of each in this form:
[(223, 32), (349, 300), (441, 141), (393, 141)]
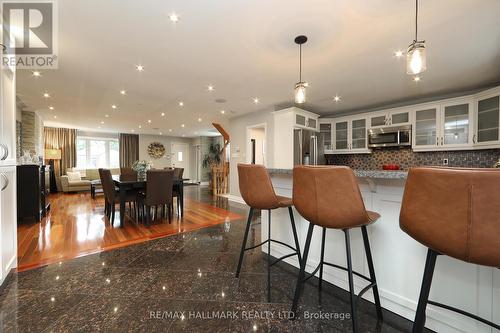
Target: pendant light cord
[(300, 63), (416, 20)]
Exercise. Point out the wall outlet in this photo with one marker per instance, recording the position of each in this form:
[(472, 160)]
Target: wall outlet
[(445, 161)]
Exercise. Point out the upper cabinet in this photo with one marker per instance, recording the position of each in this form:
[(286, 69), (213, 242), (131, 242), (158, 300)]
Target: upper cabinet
[(394, 117), (487, 117), (445, 126), (326, 131), (306, 120), (350, 135)]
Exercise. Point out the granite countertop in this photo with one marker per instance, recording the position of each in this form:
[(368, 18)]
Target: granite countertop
[(380, 174)]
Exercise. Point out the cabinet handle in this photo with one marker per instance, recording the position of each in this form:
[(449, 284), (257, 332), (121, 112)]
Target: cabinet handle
[(442, 141), (437, 141), (474, 138), (6, 182), (5, 152)]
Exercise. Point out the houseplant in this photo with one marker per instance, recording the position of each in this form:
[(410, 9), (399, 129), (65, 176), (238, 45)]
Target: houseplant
[(212, 157), (141, 167)]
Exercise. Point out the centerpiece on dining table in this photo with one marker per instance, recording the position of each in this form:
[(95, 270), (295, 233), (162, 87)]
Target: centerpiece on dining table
[(141, 167)]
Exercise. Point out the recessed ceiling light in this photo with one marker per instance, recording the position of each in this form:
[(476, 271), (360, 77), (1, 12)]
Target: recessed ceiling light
[(51, 108), (398, 53), (55, 117), (140, 68), (181, 103), (183, 135), (123, 92), (256, 100), (37, 74), (170, 130), (182, 125), (222, 111), (102, 122), (337, 98), (210, 87), (416, 79), (140, 126), (161, 133), (174, 17), (46, 95), (132, 130), (149, 121), (114, 106), (163, 114), (106, 115), (199, 120)]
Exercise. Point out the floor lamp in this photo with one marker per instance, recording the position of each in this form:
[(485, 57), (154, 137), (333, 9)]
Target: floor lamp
[(52, 155)]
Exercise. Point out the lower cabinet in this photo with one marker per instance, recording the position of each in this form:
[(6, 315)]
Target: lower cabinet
[(8, 221)]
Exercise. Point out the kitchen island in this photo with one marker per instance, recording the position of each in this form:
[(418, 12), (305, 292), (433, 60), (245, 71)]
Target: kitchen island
[(398, 259)]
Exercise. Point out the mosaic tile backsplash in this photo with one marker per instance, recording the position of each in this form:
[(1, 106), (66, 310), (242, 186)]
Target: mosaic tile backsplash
[(406, 158)]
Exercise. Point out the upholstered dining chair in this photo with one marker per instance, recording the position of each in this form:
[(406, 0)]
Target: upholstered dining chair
[(178, 172), (111, 195), (159, 185)]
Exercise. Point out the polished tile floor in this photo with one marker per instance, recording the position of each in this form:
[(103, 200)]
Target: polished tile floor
[(179, 283)]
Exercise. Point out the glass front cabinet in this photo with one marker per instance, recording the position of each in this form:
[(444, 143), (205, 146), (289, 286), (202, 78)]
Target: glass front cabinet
[(487, 119), (350, 135)]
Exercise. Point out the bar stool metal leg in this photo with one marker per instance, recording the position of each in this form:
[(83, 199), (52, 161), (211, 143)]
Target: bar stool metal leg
[(244, 244), (372, 272), (300, 279), (430, 263), (294, 231), (351, 281), (322, 259), (269, 257)]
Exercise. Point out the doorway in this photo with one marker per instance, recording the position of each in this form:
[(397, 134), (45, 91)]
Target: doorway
[(256, 152), (180, 157)]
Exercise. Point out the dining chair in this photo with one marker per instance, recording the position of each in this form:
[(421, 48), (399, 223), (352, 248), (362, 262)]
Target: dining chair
[(178, 172), (159, 185), (128, 174), (111, 195)]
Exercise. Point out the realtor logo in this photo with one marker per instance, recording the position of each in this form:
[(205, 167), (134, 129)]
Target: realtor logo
[(29, 34)]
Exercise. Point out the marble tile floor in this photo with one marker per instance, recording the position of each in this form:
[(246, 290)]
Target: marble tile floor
[(180, 283)]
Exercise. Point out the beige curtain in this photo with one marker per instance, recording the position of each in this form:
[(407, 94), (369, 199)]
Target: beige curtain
[(65, 140), (129, 149)]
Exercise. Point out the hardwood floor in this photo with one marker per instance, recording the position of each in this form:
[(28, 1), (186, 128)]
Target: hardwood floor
[(76, 226)]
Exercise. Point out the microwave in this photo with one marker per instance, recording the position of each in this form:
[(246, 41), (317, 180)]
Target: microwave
[(394, 136)]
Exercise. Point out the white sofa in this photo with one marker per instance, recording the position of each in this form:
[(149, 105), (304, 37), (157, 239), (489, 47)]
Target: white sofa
[(86, 177)]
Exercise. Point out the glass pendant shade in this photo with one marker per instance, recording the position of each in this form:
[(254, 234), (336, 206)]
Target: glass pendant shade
[(416, 58), (300, 92)]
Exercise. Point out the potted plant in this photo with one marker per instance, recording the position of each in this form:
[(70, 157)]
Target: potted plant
[(141, 167), (212, 157)]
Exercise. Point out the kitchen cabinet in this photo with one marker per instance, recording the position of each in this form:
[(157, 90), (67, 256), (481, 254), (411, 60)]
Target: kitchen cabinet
[(487, 116), (396, 117), (306, 120), (350, 135), (326, 129), (7, 117), (8, 218), (445, 126)]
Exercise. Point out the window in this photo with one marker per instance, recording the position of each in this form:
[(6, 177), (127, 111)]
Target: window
[(93, 153)]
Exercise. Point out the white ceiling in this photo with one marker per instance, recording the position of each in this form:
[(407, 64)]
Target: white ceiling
[(246, 49)]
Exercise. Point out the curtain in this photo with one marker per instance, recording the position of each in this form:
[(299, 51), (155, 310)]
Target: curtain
[(65, 140), (129, 149)]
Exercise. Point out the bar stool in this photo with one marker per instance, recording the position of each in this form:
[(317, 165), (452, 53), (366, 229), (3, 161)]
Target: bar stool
[(453, 212), (330, 198), (257, 190)]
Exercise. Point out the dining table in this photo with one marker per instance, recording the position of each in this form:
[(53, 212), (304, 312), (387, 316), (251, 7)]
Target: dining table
[(125, 186)]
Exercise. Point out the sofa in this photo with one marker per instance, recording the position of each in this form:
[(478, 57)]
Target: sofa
[(79, 180)]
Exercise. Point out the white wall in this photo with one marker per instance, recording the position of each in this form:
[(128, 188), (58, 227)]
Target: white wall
[(238, 132), (165, 161)]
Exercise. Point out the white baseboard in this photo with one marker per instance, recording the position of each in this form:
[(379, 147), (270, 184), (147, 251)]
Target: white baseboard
[(233, 198)]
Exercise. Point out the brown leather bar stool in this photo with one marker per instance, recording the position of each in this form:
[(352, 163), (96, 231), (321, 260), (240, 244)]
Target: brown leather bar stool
[(329, 197), (454, 212), (257, 190)]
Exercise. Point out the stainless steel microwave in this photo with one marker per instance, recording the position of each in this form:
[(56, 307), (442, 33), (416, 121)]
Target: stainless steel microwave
[(393, 136)]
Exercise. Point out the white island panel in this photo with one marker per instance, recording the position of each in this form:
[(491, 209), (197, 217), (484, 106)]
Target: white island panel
[(398, 259)]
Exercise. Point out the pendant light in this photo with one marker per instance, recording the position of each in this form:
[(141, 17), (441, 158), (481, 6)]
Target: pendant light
[(415, 57), (300, 87)]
